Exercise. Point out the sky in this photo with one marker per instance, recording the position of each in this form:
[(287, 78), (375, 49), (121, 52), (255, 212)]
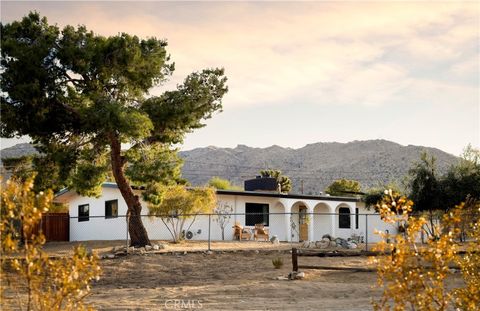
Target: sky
[(306, 72)]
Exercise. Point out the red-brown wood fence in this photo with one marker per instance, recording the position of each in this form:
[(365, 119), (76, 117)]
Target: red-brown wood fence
[(55, 226)]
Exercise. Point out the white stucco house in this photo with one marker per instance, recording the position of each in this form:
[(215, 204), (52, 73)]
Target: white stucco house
[(291, 217)]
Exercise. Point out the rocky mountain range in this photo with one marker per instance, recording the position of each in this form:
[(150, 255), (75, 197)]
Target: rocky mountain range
[(312, 168)]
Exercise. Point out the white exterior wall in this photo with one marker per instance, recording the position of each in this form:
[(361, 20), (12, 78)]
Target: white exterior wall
[(373, 223), (100, 228), (276, 221), (97, 227)]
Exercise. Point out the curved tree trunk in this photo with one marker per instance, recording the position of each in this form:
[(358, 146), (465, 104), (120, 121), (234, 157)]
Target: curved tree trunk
[(138, 234)]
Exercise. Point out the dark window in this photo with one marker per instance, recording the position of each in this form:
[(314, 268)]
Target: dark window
[(111, 209), (344, 218), (356, 218), (256, 213), (83, 212)]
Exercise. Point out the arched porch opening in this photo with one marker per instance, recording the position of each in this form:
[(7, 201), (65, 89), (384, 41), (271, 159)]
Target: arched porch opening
[(322, 221), (278, 224)]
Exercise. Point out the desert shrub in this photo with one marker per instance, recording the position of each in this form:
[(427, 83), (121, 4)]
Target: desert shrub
[(414, 277), (40, 282), (177, 205), (277, 262)]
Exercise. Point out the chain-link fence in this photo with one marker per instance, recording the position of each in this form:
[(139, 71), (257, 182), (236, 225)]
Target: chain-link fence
[(203, 232)]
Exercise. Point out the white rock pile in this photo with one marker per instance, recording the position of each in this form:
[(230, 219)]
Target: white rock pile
[(328, 241)]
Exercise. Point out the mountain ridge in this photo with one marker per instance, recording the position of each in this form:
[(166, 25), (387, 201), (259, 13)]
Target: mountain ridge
[(316, 165), (312, 167)]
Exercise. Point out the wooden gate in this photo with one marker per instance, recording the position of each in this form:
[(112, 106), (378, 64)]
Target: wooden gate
[(56, 226), (303, 224)]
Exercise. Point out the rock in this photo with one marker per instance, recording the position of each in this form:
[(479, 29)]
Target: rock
[(111, 256), (208, 252), (156, 247), (185, 252), (322, 244), (296, 275), (148, 247), (257, 251), (308, 244), (352, 245), (333, 244), (275, 240), (342, 242), (281, 278), (300, 275), (327, 236), (142, 251)]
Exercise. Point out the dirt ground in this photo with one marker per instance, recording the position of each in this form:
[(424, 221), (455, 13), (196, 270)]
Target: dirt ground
[(183, 278), (242, 280)]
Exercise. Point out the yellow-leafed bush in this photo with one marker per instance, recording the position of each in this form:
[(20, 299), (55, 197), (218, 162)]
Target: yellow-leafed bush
[(414, 276), (37, 281)]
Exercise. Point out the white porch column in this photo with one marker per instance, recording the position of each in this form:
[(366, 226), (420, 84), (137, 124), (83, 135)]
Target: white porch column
[(288, 210), (333, 220), (311, 223)]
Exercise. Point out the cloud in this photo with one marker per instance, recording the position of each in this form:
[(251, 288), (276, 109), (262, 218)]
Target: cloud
[(320, 53)]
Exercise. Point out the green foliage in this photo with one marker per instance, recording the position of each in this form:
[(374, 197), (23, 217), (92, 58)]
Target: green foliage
[(82, 96), (175, 204), (154, 163), (178, 112), (425, 189), (433, 192), (42, 282), (343, 187), (284, 181), (20, 168), (222, 184), (375, 194), (69, 89), (463, 179)]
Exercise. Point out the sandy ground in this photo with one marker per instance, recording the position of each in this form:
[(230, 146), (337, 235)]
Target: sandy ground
[(184, 278), (244, 280)]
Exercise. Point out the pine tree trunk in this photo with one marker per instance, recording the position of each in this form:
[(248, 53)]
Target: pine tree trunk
[(138, 234)]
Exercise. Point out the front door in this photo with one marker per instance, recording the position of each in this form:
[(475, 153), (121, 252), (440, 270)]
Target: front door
[(303, 223)]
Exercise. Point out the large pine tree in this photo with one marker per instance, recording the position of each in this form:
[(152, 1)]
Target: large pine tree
[(83, 99)]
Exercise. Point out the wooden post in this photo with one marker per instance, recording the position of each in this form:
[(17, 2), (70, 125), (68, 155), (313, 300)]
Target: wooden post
[(209, 224), (295, 259), (366, 232)]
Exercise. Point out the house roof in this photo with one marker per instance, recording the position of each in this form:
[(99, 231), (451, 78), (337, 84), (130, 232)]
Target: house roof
[(249, 193), (288, 196)]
